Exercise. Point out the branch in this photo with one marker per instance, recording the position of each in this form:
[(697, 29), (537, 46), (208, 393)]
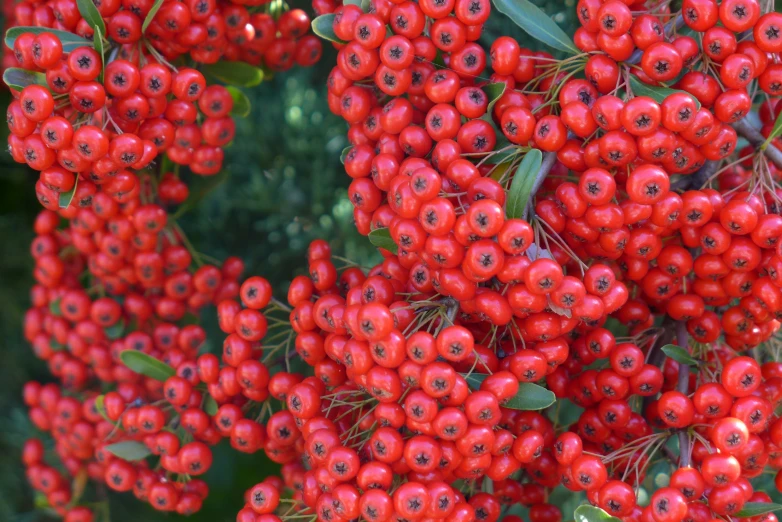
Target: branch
[(683, 385), (697, 179), (744, 129), (676, 23), (656, 356), (756, 139)]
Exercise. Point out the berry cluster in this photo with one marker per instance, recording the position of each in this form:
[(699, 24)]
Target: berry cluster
[(142, 283), (91, 113), (580, 230)]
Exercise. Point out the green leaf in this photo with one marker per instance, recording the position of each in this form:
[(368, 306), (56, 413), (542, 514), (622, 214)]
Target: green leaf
[(658, 94), (146, 365), (70, 41), (587, 513), (116, 330), (210, 405), (101, 407), (199, 190), (494, 92), (753, 509), (92, 16), (474, 380), (129, 450), (487, 486), (381, 238), (151, 15), (775, 132), (17, 79), (679, 354), (537, 24), (235, 73), (323, 26), (241, 107), (345, 153), (521, 186), (529, 397), (78, 485), (97, 42), (67, 197), (55, 308)]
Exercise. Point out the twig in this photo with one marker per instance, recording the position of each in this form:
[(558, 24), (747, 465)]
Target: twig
[(677, 23), (656, 356), (756, 139), (683, 385)]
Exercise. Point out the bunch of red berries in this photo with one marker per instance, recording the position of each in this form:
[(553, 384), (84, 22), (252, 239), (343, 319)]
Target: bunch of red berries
[(639, 219), (391, 399), (127, 327), (579, 230), (89, 113)]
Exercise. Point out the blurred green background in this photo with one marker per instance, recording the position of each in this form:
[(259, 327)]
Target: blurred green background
[(285, 187)]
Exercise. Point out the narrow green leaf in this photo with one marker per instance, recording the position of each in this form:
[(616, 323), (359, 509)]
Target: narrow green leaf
[(55, 308), (116, 330), (679, 354), (494, 92), (70, 41), (55, 346), (91, 15), (78, 485), (587, 513), (537, 24), (97, 42), (474, 380), (235, 73), (323, 26), (151, 15), (523, 181), (129, 450), (101, 408), (146, 365), (775, 132), (529, 397), (241, 106), (381, 238), (487, 486), (658, 94), (210, 405), (344, 154), (17, 79), (753, 509), (67, 197), (40, 501)]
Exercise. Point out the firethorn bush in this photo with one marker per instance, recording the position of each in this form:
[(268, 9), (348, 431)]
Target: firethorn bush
[(575, 303)]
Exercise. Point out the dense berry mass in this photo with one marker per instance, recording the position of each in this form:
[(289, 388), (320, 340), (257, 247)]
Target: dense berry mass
[(577, 232)]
